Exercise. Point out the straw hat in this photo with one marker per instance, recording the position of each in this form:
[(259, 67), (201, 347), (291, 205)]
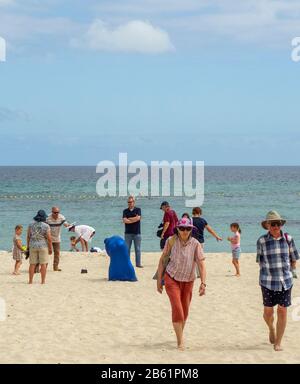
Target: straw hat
[(272, 216)]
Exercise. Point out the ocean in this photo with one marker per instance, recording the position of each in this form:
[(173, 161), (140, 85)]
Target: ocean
[(232, 194)]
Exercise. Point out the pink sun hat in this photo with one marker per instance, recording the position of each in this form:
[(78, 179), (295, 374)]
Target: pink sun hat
[(185, 222)]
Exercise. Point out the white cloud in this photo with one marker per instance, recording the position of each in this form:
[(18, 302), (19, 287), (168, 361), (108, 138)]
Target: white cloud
[(134, 36), (15, 27), (267, 22), (150, 6), (193, 23), (7, 114), (6, 2)]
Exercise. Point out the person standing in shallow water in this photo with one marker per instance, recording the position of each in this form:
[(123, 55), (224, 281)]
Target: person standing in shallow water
[(185, 253), (276, 255)]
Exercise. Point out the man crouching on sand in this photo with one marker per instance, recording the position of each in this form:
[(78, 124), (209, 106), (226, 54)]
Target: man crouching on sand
[(276, 255)]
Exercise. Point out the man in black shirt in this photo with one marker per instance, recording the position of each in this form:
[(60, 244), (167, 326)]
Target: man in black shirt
[(132, 221)]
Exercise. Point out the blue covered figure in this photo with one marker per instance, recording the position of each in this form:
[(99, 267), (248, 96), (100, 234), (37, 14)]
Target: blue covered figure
[(120, 267)]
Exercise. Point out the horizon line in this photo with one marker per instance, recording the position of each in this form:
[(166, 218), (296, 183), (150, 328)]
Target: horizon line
[(205, 165)]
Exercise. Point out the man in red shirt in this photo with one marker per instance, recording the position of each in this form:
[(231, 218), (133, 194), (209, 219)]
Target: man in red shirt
[(170, 220)]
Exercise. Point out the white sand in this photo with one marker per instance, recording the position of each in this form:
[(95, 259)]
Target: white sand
[(83, 318)]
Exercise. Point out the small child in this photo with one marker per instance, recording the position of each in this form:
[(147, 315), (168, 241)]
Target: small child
[(73, 244), (235, 241), (17, 249)]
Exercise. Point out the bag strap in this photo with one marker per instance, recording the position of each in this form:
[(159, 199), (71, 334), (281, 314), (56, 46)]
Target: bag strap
[(288, 242), (172, 240), (287, 238)]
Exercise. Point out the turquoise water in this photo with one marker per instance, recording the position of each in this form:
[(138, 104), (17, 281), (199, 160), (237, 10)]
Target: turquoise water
[(242, 194)]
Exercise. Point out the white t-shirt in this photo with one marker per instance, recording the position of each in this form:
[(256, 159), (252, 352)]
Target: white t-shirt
[(84, 231)]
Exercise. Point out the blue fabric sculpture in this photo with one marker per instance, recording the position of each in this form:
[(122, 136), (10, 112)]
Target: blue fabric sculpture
[(120, 267)]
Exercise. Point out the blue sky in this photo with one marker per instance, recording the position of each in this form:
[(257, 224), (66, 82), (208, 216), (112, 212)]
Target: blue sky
[(161, 80)]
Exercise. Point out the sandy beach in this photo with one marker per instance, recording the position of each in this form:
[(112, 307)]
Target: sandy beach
[(83, 318)]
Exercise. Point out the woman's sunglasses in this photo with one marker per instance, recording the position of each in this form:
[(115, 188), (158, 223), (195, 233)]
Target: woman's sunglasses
[(184, 229)]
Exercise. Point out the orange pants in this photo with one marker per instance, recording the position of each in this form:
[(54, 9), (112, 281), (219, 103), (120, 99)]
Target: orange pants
[(180, 295)]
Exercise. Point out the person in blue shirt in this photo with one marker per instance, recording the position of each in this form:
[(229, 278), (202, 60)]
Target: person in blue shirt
[(200, 224), (276, 255)]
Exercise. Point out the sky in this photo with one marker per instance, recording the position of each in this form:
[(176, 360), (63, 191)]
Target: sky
[(207, 80)]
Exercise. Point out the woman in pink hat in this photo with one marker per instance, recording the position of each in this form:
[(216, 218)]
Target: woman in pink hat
[(185, 253)]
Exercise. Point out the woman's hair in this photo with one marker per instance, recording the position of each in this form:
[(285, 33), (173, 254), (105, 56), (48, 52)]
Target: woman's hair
[(197, 211), (237, 226), (185, 214), (19, 226)]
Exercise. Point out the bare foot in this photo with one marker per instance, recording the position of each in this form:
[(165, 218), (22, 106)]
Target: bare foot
[(14, 273), (181, 347), (237, 275), (272, 335), (277, 348)]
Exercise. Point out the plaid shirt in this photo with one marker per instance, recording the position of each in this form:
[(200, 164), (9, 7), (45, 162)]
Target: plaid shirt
[(274, 256)]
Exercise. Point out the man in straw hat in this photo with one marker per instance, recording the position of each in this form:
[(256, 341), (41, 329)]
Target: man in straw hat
[(276, 255)]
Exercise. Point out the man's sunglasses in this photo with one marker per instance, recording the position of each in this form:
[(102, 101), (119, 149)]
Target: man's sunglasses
[(184, 229), (55, 212), (276, 223), (131, 201)]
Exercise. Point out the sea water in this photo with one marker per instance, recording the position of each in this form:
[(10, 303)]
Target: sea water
[(232, 194)]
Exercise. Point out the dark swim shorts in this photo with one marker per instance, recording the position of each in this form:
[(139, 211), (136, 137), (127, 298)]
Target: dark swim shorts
[(272, 298)]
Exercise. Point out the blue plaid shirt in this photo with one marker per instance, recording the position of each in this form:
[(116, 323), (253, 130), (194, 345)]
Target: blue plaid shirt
[(274, 257)]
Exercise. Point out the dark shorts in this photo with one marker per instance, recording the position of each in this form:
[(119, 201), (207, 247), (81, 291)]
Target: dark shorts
[(162, 243), (272, 298)]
